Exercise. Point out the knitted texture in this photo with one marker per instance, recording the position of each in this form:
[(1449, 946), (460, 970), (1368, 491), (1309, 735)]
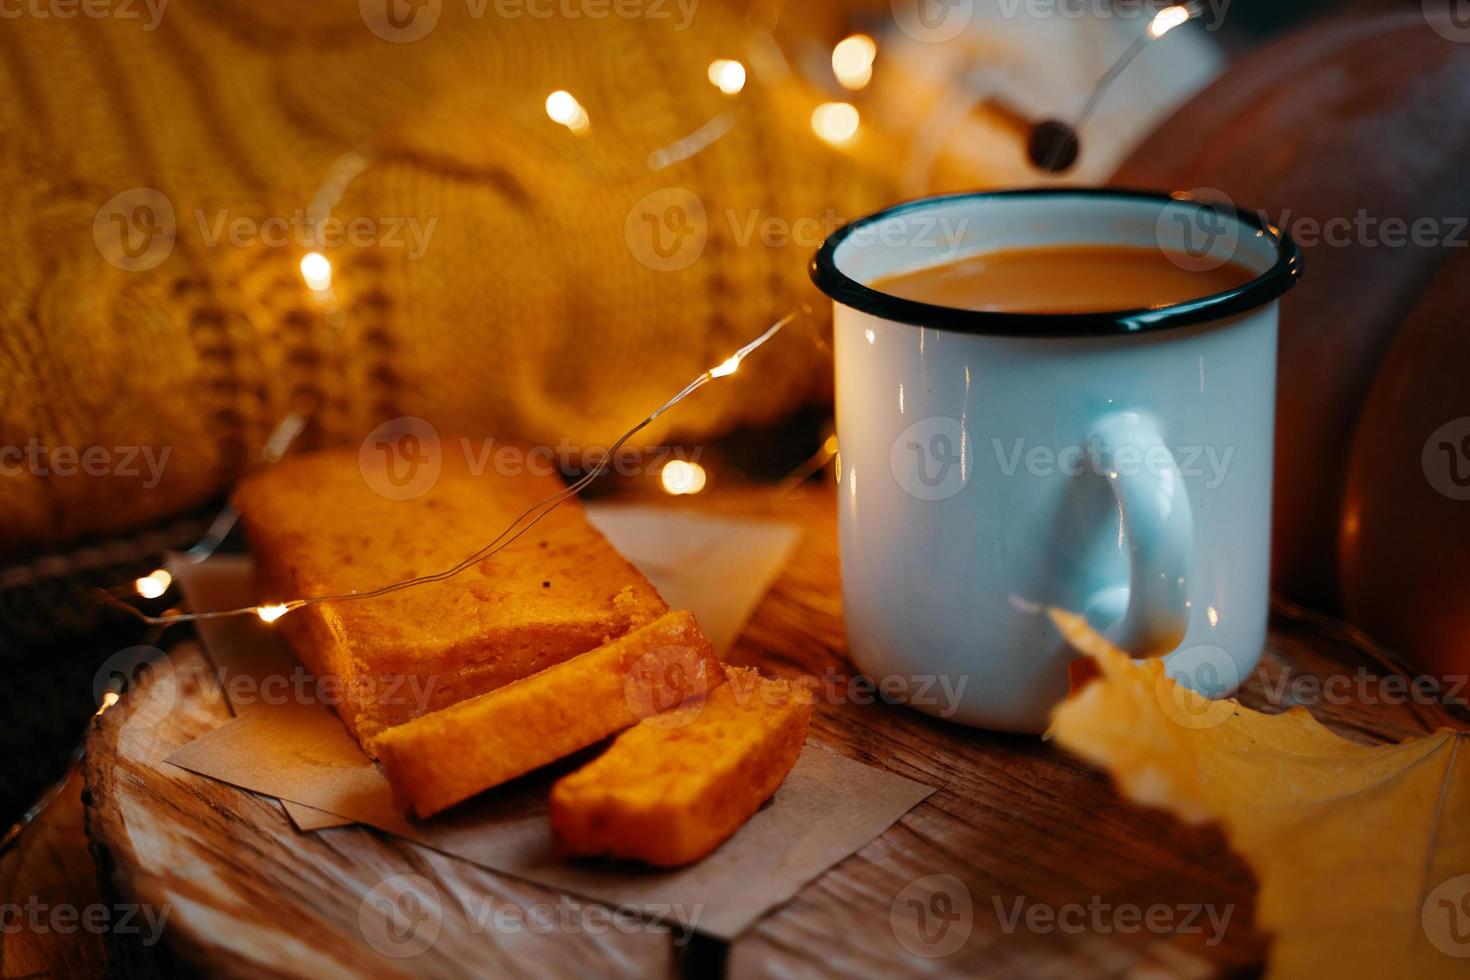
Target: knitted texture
[(507, 278)]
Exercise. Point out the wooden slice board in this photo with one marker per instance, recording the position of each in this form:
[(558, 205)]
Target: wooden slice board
[(1013, 819), (248, 894)]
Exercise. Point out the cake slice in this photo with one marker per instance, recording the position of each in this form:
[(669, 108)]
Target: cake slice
[(669, 794), (442, 758), (316, 526)]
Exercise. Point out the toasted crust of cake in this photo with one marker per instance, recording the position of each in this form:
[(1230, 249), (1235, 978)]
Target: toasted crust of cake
[(317, 527), (670, 794), (442, 758)]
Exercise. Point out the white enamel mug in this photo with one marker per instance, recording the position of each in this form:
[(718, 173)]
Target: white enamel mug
[(995, 464)]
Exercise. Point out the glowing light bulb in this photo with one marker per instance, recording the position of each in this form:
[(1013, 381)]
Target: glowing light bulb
[(1168, 19), (727, 75), (680, 477), (316, 269), (564, 108), (852, 60), (154, 584), (835, 122), (726, 367), (269, 614)]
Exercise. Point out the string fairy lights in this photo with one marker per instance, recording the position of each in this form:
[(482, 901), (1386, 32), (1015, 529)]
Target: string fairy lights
[(154, 584), (785, 487), (852, 61), (52, 792), (1162, 23), (270, 612), (563, 107), (1052, 145), (687, 146), (682, 477), (727, 75), (835, 122), (1169, 18), (316, 272)]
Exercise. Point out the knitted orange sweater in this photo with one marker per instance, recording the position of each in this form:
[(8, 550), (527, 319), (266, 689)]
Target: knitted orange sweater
[(495, 273)]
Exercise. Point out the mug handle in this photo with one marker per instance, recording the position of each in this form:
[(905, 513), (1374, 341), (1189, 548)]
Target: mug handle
[(1160, 528)]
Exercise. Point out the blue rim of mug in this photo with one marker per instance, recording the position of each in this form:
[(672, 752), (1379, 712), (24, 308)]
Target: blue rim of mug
[(1259, 291)]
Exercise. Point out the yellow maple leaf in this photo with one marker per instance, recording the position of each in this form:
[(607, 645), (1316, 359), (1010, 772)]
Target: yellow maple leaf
[(1362, 852)]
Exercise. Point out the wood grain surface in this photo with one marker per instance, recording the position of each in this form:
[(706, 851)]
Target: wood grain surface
[(1014, 824)]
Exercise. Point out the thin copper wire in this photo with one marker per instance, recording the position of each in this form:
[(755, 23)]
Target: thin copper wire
[(531, 516)]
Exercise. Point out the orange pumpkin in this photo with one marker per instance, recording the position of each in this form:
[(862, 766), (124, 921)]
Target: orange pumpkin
[(1352, 116), (1405, 537)]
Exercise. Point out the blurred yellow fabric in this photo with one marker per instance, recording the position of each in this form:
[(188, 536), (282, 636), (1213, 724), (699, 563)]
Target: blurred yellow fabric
[(502, 276)]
